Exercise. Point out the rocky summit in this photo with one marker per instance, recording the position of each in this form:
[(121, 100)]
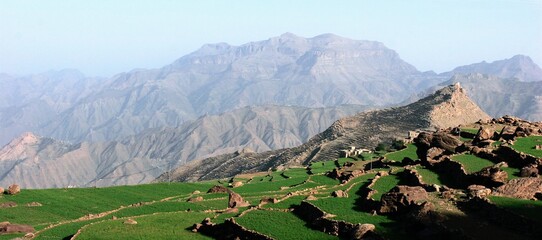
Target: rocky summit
[(448, 107)]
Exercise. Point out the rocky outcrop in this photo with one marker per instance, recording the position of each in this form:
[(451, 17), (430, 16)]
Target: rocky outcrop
[(218, 189), (8, 228), (317, 219), (402, 199), (478, 191), (492, 176), (13, 189), (520, 188), (235, 200)]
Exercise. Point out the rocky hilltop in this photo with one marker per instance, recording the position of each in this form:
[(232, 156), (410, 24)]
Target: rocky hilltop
[(447, 107), (496, 95)]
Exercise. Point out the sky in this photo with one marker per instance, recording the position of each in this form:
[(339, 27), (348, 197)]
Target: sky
[(105, 37)]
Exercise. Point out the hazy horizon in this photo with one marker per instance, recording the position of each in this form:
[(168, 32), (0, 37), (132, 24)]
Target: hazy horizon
[(102, 38)]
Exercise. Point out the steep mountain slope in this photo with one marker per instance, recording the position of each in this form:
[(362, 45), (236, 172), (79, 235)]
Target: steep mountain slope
[(519, 66), (498, 96), (447, 107), (28, 102), (39, 162), (325, 70)]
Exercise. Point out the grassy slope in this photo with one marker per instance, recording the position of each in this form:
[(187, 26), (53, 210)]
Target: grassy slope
[(409, 151), (280, 225), (472, 163), (171, 225), (528, 208), (527, 145)]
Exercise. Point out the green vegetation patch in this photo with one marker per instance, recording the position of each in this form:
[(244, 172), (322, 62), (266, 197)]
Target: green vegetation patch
[(528, 144), (409, 151), (428, 176), (512, 172), (384, 184), (472, 163), (159, 226), (66, 204), (280, 225), (528, 208)]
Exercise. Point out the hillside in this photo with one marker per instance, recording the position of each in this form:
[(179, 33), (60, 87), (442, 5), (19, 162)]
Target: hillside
[(447, 107), (474, 181), (40, 162)]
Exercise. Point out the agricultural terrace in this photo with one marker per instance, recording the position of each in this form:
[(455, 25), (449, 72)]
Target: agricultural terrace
[(408, 152), (472, 163), (528, 145)]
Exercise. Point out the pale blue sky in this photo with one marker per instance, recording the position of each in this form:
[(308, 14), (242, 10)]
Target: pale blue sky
[(103, 37)]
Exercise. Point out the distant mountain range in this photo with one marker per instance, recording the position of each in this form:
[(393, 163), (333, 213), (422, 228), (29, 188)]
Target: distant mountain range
[(40, 162), (262, 95)]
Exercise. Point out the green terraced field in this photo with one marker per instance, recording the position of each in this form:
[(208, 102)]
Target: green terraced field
[(280, 225), (527, 145), (409, 151), (472, 163), (171, 225), (384, 185), (428, 176), (528, 208)]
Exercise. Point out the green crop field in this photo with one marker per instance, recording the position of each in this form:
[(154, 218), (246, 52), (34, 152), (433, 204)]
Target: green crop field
[(409, 151), (527, 145), (428, 176), (383, 185), (171, 225), (280, 225), (528, 208), (472, 163), (163, 211)]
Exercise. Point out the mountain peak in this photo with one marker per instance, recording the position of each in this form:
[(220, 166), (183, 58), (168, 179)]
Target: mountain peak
[(519, 66), (17, 147), (453, 107), (289, 35)]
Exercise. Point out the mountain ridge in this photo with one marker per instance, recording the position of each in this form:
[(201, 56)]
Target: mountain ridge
[(448, 107)]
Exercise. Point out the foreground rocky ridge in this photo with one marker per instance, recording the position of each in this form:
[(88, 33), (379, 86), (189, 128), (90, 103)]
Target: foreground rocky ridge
[(447, 107)]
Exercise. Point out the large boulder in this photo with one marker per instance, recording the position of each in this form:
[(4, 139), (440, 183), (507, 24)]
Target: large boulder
[(235, 200), (439, 139), (484, 133), (492, 175), (529, 171), (2, 190), (14, 189), (478, 191), (520, 188), (15, 228), (508, 132), (401, 199), (218, 189), (236, 184), (361, 230)]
